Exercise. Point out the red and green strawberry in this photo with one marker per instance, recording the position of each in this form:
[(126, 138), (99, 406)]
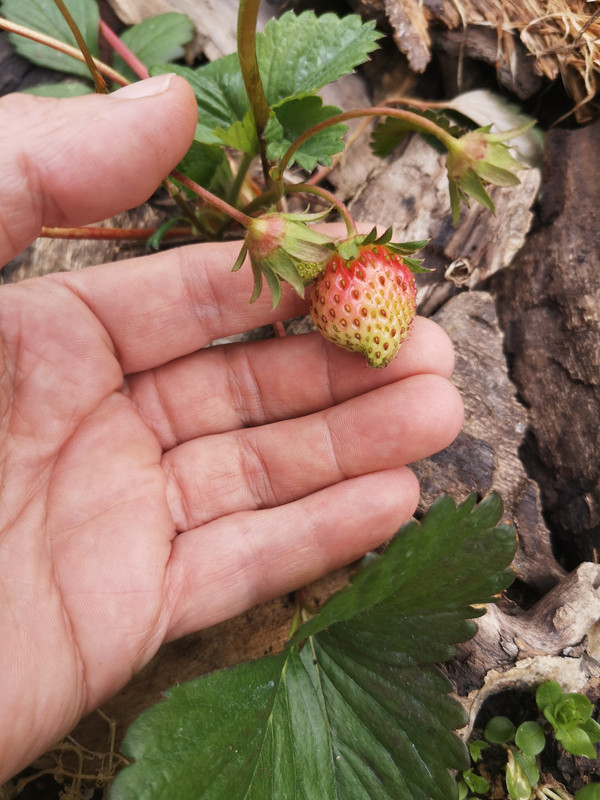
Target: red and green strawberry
[(366, 303), (364, 293)]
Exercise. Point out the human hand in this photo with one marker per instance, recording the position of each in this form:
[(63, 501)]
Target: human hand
[(151, 487)]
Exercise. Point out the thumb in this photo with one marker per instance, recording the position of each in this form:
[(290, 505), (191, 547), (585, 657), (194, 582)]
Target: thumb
[(79, 160)]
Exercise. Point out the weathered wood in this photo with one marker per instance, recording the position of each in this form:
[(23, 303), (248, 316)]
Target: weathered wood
[(485, 456), (549, 303), (558, 639)]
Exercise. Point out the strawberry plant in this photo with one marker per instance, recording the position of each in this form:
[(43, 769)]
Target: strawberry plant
[(355, 705), (261, 107)]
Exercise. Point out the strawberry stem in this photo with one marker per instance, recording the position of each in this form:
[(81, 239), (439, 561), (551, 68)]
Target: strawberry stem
[(99, 81), (111, 234), (140, 69), (212, 199), (426, 125), (331, 198), (62, 47), (246, 43)]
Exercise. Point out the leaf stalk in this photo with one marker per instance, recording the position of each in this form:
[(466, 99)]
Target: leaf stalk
[(426, 125), (246, 43), (99, 81), (212, 199)]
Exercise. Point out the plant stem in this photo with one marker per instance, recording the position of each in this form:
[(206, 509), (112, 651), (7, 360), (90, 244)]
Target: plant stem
[(246, 43), (99, 81), (62, 47), (242, 171), (417, 120), (331, 198), (121, 49), (212, 200), (91, 232)]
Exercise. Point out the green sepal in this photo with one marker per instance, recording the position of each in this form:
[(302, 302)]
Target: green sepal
[(348, 248), (241, 258), (284, 247)]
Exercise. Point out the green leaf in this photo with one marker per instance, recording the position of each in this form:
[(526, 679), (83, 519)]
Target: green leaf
[(592, 728), (475, 782), (463, 790), (360, 711), (205, 164), (431, 567), (297, 55), (153, 241), (573, 707), (576, 741), (517, 783), (156, 40), (476, 749), (45, 16), (241, 135), (291, 119), (499, 730), (220, 94), (530, 738), (64, 89), (548, 694), (590, 792), (529, 766)]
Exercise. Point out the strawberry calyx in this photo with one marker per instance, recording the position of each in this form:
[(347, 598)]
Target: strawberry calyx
[(478, 158), (348, 249), (284, 247)]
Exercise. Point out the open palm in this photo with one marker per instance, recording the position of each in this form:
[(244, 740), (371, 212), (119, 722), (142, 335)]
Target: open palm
[(150, 486)]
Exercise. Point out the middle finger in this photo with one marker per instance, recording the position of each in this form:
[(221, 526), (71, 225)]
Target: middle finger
[(275, 464)]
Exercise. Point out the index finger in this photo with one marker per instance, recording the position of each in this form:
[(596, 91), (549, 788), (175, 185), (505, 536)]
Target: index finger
[(160, 307)]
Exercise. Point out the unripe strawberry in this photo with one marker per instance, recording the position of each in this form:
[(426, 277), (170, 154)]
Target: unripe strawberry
[(366, 303)]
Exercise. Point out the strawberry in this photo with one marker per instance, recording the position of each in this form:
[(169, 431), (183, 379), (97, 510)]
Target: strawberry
[(366, 303)]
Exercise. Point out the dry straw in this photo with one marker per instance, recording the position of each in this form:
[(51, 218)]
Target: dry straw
[(562, 35)]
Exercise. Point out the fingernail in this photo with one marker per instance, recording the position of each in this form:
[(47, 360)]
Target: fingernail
[(150, 87)]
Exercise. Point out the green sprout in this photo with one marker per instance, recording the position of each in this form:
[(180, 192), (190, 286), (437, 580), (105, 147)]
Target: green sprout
[(567, 716), (571, 718)]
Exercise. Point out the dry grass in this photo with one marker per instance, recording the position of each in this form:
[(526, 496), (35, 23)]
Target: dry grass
[(562, 35)]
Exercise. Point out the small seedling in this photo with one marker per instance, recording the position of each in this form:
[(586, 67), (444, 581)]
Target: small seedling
[(570, 720), (570, 716)]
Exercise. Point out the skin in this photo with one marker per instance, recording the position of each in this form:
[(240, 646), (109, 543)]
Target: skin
[(150, 487)]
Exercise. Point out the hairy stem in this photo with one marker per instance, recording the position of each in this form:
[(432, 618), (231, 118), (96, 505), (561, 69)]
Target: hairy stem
[(62, 47), (246, 42), (331, 198), (99, 81), (111, 234), (121, 49), (212, 200), (422, 123)]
